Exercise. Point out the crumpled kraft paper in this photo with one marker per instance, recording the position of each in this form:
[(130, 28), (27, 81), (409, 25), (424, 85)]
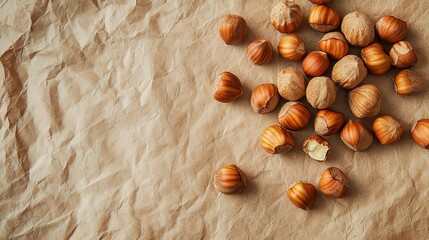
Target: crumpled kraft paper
[(109, 130)]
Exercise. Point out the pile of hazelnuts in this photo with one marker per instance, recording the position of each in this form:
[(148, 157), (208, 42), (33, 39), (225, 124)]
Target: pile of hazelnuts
[(348, 72)]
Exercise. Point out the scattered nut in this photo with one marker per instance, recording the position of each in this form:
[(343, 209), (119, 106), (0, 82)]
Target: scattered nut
[(358, 29), (335, 45), (328, 122), (302, 194), (286, 16), (388, 130), (420, 133), (229, 88), (291, 83), (321, 92), (391, 29), (233, 29), (323, 18), (292, 47), (294, 116), (333, 183), (365, 101), (276, 140), (230, 180), (260, 51), (315, 64), (376, 60), (316, 147), (403, 55), (349, 72), (264, 98), (356, 136), (408, 82)]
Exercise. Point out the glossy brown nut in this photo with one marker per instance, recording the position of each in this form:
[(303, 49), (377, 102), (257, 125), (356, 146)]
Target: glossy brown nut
[(365, 101), (328, 122), (403, 55), (294, 116), (229, 88), (333, 183), (302, 195), (264, 98), (375, 59), (420, 133), (335, 45), (387, 130), (323, 18), (275, 139), (408, 82), (315, 64), (230, 180), (260, 51), (233, 29), (292, 47), (356, 137), (391, 29)]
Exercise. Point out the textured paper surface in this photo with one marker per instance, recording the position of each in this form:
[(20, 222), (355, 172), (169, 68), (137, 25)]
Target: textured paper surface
[(109, 129)]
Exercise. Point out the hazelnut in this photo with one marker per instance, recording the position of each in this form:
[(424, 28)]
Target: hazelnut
[(333, 183), (320, 1), (264, 98), (335, 45), (387, 130), (365, 101), (294, 116), (358, 29), (286, 16), (349, 72), (260, 51), (291, 83), (328, 122), (291, 47), (316, 147), (276, 140), (376, 60), (408, 82), (356, 136), (321, 92), (233, 29), (323, 18), (229, 88), (420, 133), (230, 180), (315, 64), (403, 55), (391, 29), (302, 195)]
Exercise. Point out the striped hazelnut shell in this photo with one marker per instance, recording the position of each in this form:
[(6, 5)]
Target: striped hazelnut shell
[(294, 116), (408, 82), (275, 139), (387, 130), (403, 55), (420, 133), (375, 59), (391, 29), (230, 180), (260, 51), (335, 45), (233, 29), (323, 18), (265, 98), (328, 122), (356, 137), (333, 183), (315, 64), (302, 195), (286, 16), (229, 88), (292, 47), (365, 101)]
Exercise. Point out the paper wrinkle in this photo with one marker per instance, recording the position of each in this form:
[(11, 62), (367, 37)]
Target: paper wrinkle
[(109, 129)]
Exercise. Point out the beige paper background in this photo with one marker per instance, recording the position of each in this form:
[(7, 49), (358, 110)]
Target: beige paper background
[(109, 130)]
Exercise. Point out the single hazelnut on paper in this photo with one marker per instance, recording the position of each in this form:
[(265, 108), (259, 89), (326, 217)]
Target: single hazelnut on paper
[(408, 82), (260, 51), (333, 183), (292, 47), (264, 98), (230, 180), (358, 29), (420, 133), (321, 92), (403, 55), (349, 72), (291, 83), (335, 45), (391, 29), (302, 195), (229, 88), (365, 101), (323, 18), (233, 29), (316, 147), (286, 16), (315, 64), (388, 130), (294, 116), (320, 2), (356, 137), (328, 122), (375, 59), (275, 139)]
